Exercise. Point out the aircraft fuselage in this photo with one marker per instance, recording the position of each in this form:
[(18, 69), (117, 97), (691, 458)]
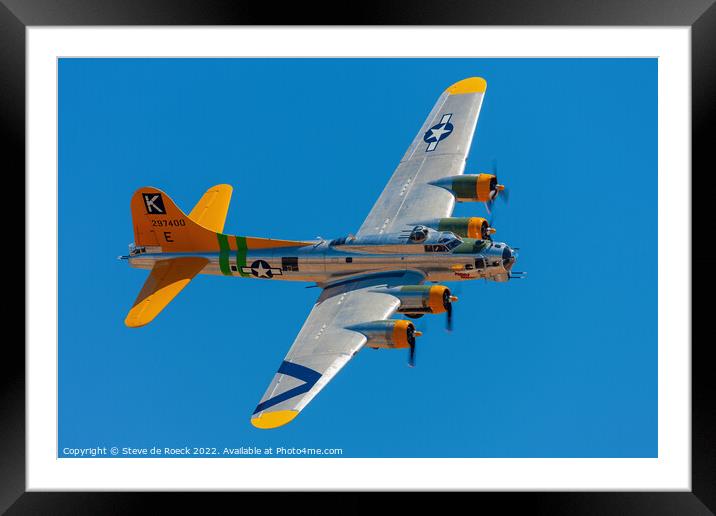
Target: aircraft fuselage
[(324, 262)]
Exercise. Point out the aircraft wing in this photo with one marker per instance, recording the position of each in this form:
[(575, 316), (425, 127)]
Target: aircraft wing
[(438, 150), (324, 344)]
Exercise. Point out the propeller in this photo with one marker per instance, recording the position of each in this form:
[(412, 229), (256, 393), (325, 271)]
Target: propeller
[(411, 343), (496, 190), (487, 229), (448, 300)]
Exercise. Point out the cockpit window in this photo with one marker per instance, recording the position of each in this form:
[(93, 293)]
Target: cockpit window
[(435, 248), (450, 241), (454, 243)]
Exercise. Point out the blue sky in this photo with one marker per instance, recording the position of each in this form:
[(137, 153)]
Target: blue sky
[(563, 364)]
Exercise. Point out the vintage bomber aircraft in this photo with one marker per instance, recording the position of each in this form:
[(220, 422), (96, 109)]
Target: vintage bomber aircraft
[(408, 239)]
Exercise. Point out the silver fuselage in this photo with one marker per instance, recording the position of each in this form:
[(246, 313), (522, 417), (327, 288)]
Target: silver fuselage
[(324, 262)]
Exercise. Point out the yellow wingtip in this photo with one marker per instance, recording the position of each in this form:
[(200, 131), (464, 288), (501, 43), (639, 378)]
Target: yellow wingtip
[(469, 85), (274, 419)]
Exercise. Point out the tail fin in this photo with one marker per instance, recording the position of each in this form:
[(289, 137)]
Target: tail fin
[(167, 279), (212, 208), (158, 222)]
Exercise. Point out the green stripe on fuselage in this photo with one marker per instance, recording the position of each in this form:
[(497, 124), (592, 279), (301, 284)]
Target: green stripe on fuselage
[(241, 255), (224, 251)]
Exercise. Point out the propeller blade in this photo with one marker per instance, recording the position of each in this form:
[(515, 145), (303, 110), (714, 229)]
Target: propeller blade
[(505, 194), (448, 299), (502, 192), (412, 335), (491, 222)]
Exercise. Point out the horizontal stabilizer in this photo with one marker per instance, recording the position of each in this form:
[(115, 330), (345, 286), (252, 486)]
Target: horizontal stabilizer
[(210, 212), (165, 281)]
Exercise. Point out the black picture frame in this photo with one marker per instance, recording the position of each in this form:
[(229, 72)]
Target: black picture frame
[(700, 15)]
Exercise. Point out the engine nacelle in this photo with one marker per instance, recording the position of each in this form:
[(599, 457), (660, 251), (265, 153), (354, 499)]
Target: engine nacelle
[(466, 227), (471, 187), (390, 334), (423, 299)]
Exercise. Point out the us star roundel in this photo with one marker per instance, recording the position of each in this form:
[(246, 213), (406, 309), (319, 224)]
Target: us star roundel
[(261, 269), (437, 133)]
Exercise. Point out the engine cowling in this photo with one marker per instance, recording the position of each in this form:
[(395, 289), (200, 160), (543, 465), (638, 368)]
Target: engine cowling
[(390, 334), (423, 299), (470, 227), (471, 187)]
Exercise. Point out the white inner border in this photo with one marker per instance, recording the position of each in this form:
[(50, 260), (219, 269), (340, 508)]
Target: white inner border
[(671, 470)]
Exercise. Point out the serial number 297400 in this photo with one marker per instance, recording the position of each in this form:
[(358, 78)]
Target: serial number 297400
[(170, 222)]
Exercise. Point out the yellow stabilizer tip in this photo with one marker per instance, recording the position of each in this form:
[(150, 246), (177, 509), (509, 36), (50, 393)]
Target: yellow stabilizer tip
[(136, 317), (210, 212), (469, 85), (274, 419), (131, 322)]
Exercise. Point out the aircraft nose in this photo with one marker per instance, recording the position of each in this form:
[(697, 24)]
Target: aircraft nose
[(509, 257)]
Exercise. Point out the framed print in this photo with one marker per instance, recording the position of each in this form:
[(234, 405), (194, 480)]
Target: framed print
[(382, 166)]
